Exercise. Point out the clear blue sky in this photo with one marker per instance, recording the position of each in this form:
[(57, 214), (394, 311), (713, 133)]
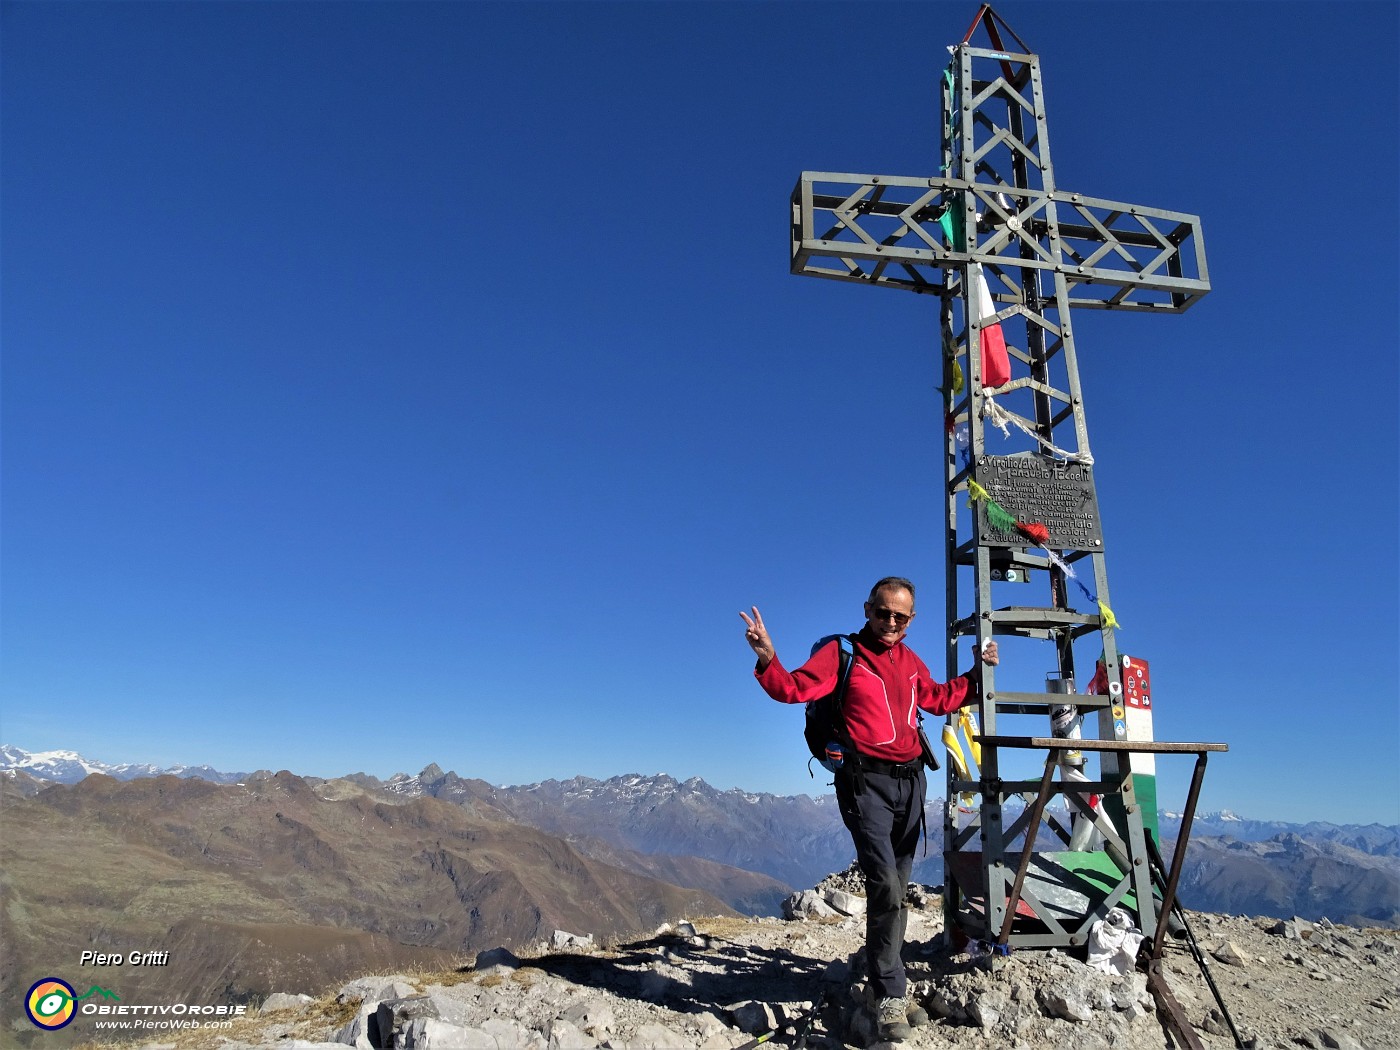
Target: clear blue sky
[(388, 384)]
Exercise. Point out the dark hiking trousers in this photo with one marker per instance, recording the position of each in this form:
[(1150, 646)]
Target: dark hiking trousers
[(884, 821)]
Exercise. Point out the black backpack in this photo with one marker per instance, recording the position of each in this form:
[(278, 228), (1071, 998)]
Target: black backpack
[(826, 724), (825, 730)]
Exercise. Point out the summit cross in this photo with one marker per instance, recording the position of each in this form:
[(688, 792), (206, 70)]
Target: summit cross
[(1009, 256)]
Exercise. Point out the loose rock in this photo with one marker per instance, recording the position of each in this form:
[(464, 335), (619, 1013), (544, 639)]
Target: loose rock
[(1230, 954)]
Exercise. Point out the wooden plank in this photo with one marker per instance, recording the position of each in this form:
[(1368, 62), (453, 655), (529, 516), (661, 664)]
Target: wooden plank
[(1056, 743)]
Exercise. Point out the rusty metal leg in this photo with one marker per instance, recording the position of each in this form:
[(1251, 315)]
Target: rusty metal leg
[(1179, 854), (1159, 871), (1170, 1011), (1032, 827)]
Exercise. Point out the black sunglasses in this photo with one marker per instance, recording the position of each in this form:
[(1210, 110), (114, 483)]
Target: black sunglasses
[(879, 612)]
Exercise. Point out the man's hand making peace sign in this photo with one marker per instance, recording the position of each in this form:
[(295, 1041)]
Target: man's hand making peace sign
[(757, 637)]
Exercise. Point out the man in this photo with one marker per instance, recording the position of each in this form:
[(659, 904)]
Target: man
[(880, 787)]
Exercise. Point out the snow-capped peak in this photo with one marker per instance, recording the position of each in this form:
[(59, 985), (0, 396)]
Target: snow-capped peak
[(69, 767)]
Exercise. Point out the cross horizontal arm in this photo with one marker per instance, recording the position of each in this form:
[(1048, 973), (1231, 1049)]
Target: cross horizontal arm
[(892, 231)]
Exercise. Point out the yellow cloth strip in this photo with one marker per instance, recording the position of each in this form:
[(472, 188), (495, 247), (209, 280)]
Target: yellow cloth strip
[(1108, 622), (955, 753), (968, 721), (976, 492)]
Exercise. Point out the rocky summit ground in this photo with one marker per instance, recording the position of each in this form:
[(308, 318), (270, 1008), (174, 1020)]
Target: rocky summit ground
[(721, 984)]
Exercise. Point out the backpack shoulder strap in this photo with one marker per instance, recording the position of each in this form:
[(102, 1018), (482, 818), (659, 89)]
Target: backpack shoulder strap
[(846, 659), (853, 767)]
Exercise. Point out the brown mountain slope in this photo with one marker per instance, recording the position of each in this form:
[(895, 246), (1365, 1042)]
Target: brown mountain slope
[(238, 881), (750, 892)]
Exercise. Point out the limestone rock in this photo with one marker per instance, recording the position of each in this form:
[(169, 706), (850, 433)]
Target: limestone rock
[(652, 1036), (393, 1017), (808, 904), (1063, 1002), (431, 1033), (708, 1025), (987, 1009), (1214, 1023), (1129, 990), (1230, 954), (562, 940), (451, 1007), (510, 1035), (565, 1035), (949, 1004), (372, 989), (496, 957), (355, 1032), (754, 1017), (1338, 1040), (592, 1015), (1294, 929), (845, 903)]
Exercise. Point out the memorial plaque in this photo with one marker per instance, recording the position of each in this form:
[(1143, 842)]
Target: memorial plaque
[(1032, 487)]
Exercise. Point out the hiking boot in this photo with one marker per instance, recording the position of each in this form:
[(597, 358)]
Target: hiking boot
[(892, 1018)]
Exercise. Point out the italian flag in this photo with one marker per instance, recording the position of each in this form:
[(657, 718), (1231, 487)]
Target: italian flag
[(996, 366)]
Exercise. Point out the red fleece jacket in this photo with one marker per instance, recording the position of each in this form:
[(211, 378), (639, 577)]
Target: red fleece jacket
[(887, 683)]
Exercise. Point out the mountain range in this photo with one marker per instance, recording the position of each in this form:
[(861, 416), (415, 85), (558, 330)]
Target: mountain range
[(1349, 873), (69, 767), (278, 881), (1376, 840), (750, 849), (795, 839)]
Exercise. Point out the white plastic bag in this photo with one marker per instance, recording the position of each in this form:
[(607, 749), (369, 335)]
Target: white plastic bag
[(1113, 943)]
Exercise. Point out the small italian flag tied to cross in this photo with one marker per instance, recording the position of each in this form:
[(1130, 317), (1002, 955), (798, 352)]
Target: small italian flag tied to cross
[(996, 366)]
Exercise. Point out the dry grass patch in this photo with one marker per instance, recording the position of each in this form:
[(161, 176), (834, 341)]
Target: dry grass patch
[(328, 1013), (725, 926)]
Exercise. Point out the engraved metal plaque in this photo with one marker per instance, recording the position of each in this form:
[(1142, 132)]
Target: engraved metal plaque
[(1032, 487)]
